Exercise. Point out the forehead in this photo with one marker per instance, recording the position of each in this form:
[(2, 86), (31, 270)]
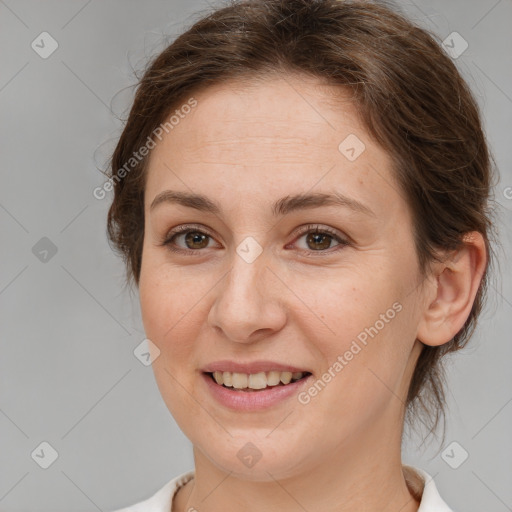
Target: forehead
[(282, 133), (280, 113)]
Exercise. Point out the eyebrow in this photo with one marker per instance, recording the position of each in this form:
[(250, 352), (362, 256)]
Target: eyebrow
[(281, 207)]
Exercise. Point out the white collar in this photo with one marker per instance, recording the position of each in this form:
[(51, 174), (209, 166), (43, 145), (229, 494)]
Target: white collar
[(424, 486)]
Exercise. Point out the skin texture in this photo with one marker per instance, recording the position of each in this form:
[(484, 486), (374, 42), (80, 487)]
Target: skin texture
[(245, 146)]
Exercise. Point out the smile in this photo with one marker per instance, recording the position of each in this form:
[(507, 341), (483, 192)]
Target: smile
[(255, 381)]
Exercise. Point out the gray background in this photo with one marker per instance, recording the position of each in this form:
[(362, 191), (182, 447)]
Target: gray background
[(68, 374)]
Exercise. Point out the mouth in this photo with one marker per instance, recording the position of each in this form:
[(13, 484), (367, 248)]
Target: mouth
[(255, 382)]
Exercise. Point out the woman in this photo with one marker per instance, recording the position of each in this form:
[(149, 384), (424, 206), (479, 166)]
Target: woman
[(301, 198)]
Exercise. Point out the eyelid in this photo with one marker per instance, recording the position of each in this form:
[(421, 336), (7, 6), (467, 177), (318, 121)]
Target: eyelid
[(335, 233), (341, 238), (166, 241)]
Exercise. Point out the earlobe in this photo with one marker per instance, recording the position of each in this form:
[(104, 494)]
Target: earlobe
[(454, 286)]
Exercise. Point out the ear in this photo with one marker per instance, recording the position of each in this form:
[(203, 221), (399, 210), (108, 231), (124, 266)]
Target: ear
[(454, 287)]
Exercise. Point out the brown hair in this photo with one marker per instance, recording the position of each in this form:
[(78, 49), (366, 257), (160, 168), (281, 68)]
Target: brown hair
[(410, 97)]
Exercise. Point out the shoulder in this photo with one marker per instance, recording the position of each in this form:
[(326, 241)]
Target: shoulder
[(423, 486), (162, 499)]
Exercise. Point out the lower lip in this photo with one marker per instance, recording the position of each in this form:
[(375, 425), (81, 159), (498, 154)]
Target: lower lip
[(253, 400)]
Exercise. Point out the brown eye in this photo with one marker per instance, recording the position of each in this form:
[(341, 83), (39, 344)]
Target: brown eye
[(196, 240), (318, 241)]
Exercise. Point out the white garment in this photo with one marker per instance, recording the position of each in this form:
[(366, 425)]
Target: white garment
[(161, 501)]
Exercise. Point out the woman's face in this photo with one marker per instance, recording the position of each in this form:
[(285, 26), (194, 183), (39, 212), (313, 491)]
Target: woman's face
[(253, 282)]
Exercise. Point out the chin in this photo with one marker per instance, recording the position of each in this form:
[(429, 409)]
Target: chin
[(254, 458)]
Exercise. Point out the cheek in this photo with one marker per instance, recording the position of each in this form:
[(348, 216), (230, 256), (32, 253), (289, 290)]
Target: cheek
[(161, 306), (361, 331), (171, 308), (151, 306), (168, 326), (340, 305), (166, 319)]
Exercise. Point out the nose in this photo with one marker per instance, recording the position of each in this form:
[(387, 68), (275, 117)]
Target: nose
[(248, 303)]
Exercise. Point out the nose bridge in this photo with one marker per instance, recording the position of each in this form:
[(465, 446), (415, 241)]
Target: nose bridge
[(244, 289), (248, 268), (244, 281), (245, 302)]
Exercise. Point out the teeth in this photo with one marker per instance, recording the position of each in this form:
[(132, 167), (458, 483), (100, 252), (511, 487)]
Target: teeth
[(240, 380), (286, 377), (273, 378), (259, 380), (227, 378)]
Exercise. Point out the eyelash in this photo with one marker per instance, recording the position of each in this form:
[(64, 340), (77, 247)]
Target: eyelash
[(308, 229)]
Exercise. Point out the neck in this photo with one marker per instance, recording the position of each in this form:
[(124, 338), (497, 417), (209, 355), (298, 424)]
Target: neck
[(364, 474)]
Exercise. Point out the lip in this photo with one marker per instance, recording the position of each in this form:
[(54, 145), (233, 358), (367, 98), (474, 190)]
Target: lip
[(251, 367), (246, 401)]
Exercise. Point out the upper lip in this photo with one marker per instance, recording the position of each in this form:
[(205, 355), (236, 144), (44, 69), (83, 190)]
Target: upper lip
[(250, 367)]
